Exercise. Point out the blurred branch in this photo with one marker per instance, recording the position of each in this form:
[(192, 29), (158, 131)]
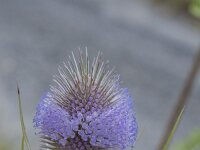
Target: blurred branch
[(181, 102), (176, 3), (190, 6)]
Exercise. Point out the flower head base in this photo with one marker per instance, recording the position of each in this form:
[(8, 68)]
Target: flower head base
[(86, 109)]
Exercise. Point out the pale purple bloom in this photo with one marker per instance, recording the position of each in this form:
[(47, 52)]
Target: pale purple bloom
[(86, 109)]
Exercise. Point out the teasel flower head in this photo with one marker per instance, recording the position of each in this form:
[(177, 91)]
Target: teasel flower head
[(86, 108)]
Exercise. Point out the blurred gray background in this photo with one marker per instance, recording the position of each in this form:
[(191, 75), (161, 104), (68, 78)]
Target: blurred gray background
[(151, 46)]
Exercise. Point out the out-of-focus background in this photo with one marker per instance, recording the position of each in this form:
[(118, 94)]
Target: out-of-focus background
[(151, 43)]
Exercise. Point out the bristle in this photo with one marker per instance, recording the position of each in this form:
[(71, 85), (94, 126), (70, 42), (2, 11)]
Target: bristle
[(77, 81)]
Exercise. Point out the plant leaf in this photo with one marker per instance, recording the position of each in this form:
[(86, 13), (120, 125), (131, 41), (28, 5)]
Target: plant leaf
[(24, 135), (22, 144), (174, 130)]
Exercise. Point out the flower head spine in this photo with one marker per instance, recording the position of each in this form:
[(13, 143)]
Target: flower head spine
[(86, 109)]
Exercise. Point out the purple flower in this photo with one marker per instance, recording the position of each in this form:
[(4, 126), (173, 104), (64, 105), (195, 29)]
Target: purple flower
[(86, 109)]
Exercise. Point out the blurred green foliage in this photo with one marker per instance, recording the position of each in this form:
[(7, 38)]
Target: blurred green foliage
[(4, 146), (194, 8), (191, 142)]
